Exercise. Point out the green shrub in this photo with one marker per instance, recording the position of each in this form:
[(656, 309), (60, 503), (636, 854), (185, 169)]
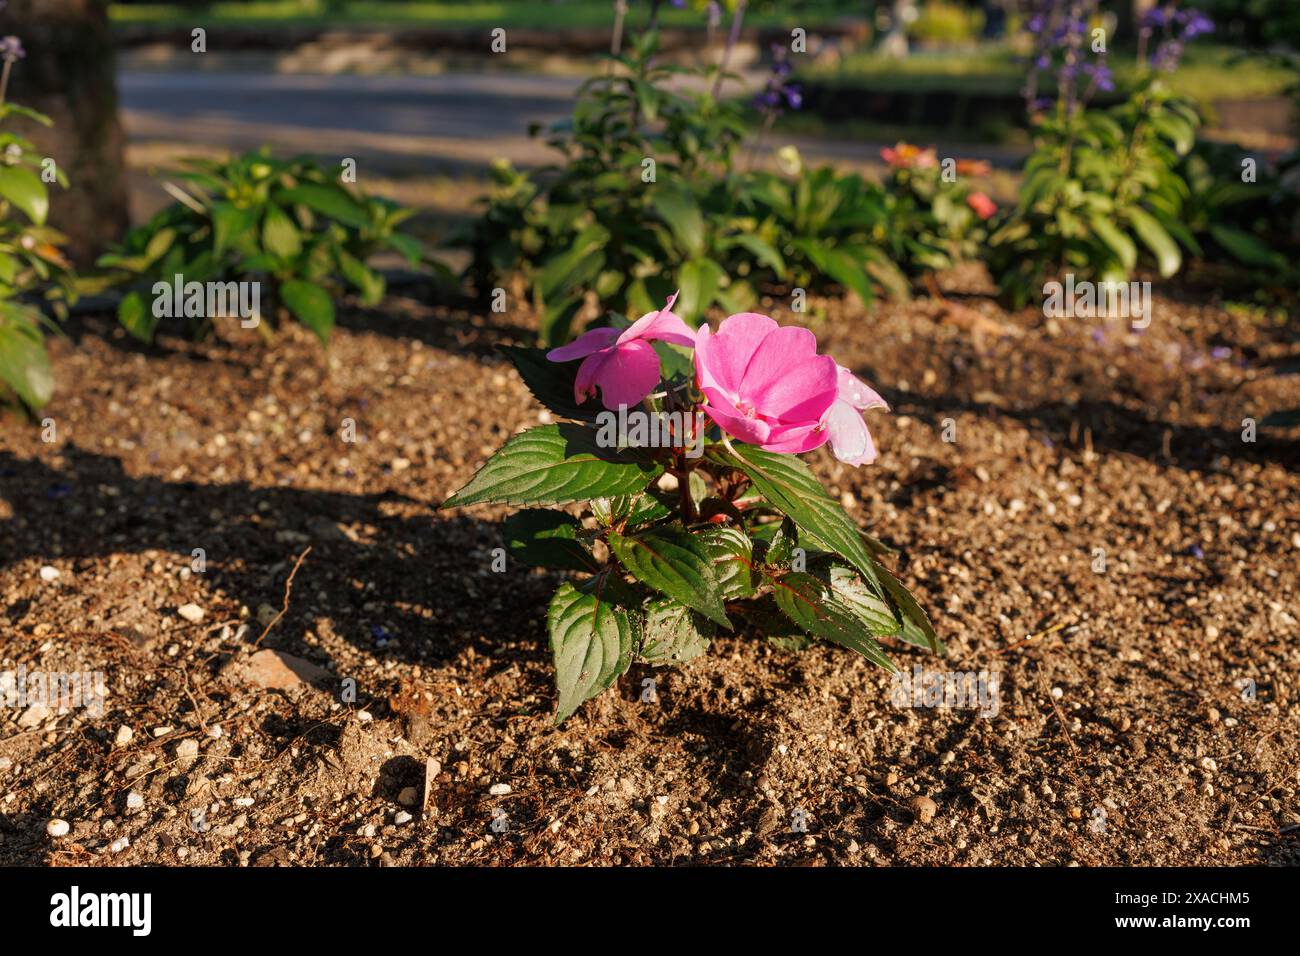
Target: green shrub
[(31, 262), (288, 223), (1101, 191), (650, 199)]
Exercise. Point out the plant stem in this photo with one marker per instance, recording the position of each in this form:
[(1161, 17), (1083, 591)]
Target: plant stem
[(732, 39)]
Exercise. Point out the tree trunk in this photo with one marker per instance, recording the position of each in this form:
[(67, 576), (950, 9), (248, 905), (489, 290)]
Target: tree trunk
[(68, 75)]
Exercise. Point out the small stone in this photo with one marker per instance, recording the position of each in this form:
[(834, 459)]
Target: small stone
[(49, 573), (120, 844), (1075, 813), (276, 670), (161, 731), (924, 808), (375, 851), (57, 828), (891, 778), (123, 736), (1057, 693), (693, 827), (134, 801), (1207, 763), (1212, 715), (191, 612), (187, 752), (408, 797), (499, 789), (402, 817), (214, 731), (33, 716)]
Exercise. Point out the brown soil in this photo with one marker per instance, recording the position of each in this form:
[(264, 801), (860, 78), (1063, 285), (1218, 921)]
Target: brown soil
[(1122, 694)]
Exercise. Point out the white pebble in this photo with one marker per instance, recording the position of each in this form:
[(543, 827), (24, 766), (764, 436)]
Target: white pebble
[(134, 801), (402, 817), (123, 736), (191, 612), (499, 789), (49, 573), (161, 731), (120, 844), (214, 731), (1057, 693), (57, 828)]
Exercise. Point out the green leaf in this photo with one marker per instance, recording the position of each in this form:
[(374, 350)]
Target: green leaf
[(136, 317), (229, 224), (674, 633), (762, 251), (591, 642), (551, 382), (1116, 240), (849, 590), (674, 563), (332, 201), (368, 283), (699, 280), (24, 366), (732, 556), (24, 189), (1246, 248), (810, 603), (679, 210), (917, 628), (1168, 258), (311, 305), (547, 539), (556, 464), (280, 236), (786, 482), (628, 510)]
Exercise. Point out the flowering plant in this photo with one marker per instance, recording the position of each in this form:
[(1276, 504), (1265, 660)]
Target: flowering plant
[(1102, 188), (936, 218), (693, 512)]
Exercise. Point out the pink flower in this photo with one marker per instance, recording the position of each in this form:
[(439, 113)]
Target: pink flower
[(624, 365), (849, 438), (765, 384), (984, 206), (905, 156)]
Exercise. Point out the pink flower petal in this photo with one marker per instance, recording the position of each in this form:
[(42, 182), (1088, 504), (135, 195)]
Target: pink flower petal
[(857, 393), (721, 358), (663, 326), (796, 439), (798, 389), (752, 430), (629, 374), (592, 341), (584, 385), (850, 441)]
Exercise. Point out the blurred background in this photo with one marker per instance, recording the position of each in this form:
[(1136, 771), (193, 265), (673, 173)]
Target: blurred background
[(415, 92)]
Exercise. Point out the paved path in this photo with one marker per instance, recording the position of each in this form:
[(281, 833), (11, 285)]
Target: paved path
[(452, 123)]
